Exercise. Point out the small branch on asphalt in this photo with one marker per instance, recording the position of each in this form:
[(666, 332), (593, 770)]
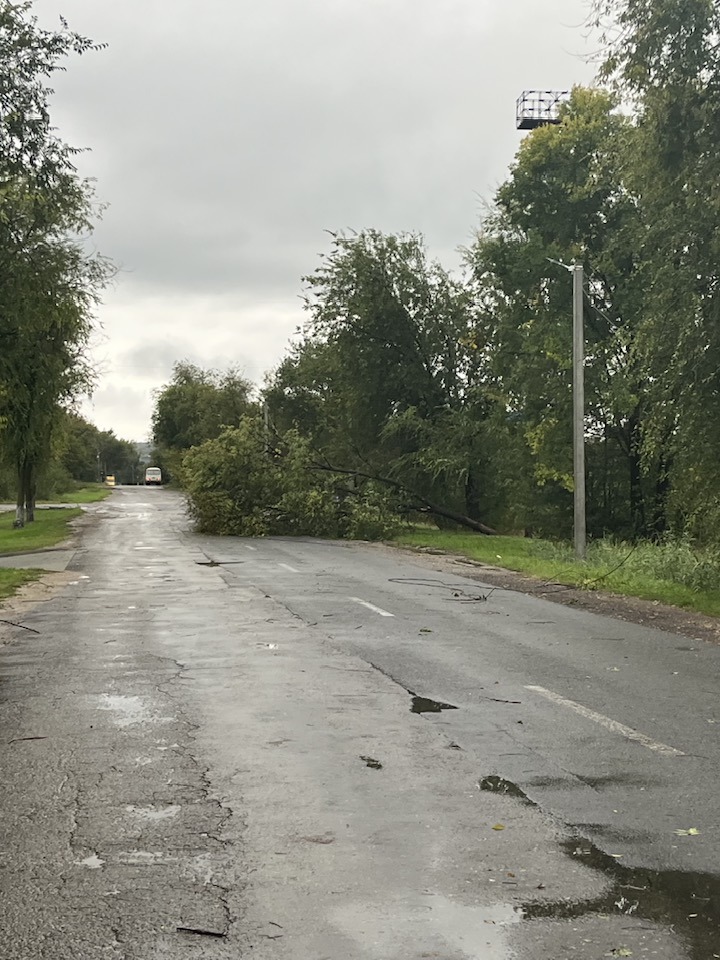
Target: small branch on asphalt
[(201, 933), (21, 626), (24, 739)]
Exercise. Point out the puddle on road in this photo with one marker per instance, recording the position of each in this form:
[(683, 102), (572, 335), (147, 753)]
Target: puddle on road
[(495, 784), (688, 903), (424, 705)]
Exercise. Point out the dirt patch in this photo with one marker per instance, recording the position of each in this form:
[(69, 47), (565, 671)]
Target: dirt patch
[(26, 599), (649, 613)]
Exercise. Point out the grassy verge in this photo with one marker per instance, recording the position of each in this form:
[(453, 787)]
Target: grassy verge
[(49, 528), (12, 580), (83, 493), (671, 573)]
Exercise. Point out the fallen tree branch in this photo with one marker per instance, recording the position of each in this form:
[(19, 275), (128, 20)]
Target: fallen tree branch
[(421, 504)]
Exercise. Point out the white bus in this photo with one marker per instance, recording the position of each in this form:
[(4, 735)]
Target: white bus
[(153, 475)]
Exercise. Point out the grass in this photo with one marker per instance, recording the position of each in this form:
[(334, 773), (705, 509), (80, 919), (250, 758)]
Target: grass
[(83, 493), (672, 572), (49, 528), (12, 580)]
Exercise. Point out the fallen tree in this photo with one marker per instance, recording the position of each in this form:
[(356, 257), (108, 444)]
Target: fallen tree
[(251, 481)]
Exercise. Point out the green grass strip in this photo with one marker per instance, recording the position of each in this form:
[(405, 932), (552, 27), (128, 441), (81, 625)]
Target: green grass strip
[(49, 528), (83, 493), (12, 580), (670, 573)]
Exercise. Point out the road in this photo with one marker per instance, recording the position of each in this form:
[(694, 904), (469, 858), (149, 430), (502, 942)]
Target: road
[(289, 748)]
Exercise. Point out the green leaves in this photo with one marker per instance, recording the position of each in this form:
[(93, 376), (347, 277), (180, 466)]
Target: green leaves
[(253, 482), (49, 285)]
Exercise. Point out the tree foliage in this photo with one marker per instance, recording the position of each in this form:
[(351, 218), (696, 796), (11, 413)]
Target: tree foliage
[(49, 284), (388, 378), (197, 405), (453, 393), (248, 483), (568, 200), (666, 56)]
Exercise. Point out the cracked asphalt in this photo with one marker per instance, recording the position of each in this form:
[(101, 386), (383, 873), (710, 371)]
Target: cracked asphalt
[(209, 750)]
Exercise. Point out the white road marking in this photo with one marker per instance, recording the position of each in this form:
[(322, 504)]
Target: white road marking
[(371, 606), (612, 725), (286, 566)]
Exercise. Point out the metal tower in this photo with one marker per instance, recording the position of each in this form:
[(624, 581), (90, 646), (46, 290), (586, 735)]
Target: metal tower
[(536, 108)]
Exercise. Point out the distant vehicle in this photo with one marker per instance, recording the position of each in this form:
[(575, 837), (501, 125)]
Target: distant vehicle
[(110, 480), (153, 475)]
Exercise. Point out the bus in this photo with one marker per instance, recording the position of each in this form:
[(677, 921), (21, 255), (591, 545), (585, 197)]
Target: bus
[(153, 475)]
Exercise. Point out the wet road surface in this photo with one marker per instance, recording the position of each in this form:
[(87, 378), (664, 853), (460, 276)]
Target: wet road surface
[(220, 748)]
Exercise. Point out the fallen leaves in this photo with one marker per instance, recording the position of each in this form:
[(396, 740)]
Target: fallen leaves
[(690, 832), (499, 826)]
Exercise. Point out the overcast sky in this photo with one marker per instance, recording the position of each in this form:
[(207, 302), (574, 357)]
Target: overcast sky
[(227, 136)]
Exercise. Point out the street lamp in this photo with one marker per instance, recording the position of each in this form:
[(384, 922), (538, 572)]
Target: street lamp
[(540, 108), (578, 363), (579, 523)]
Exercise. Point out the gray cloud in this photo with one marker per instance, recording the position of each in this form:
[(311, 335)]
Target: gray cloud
[(227, 137)]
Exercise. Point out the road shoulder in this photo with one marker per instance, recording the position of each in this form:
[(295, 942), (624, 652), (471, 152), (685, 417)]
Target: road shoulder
[(648, 613)]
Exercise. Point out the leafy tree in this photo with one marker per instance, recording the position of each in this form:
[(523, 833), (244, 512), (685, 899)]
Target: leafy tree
[(196, 406), (88, 454), (387, 380), (665, 57), (567, 199), (48, 283)]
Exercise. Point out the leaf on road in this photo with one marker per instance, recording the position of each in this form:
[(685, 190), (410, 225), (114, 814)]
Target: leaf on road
[(620, 952), (499, 826), (690, 832)]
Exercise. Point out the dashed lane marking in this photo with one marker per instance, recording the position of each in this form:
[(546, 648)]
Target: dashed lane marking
[(286, 566), (612, 725), (371, 606)]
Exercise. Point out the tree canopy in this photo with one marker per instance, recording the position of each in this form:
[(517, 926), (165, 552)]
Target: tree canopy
[(452, 393), (49, 282)]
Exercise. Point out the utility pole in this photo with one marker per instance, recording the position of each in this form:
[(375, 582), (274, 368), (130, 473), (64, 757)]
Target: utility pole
[(579, 413)]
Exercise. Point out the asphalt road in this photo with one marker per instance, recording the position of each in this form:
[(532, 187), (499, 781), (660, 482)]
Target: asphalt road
[(222, 748)]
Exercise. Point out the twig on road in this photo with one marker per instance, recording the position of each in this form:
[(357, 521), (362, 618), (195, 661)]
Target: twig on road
[(21, 626)]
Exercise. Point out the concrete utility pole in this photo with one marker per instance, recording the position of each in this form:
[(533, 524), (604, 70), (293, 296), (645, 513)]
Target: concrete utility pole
[(579, 412)]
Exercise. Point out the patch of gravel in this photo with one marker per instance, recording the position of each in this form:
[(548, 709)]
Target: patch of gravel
[(649, 613)]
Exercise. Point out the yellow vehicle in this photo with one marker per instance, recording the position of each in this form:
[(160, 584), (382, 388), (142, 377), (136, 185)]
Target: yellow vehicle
[(109, 480)]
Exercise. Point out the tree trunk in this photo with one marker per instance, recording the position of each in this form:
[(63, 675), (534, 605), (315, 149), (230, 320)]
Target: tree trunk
[(30, 493), (662, 491), (20, 500), (472, 493), (421, 504), (637, 501)]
